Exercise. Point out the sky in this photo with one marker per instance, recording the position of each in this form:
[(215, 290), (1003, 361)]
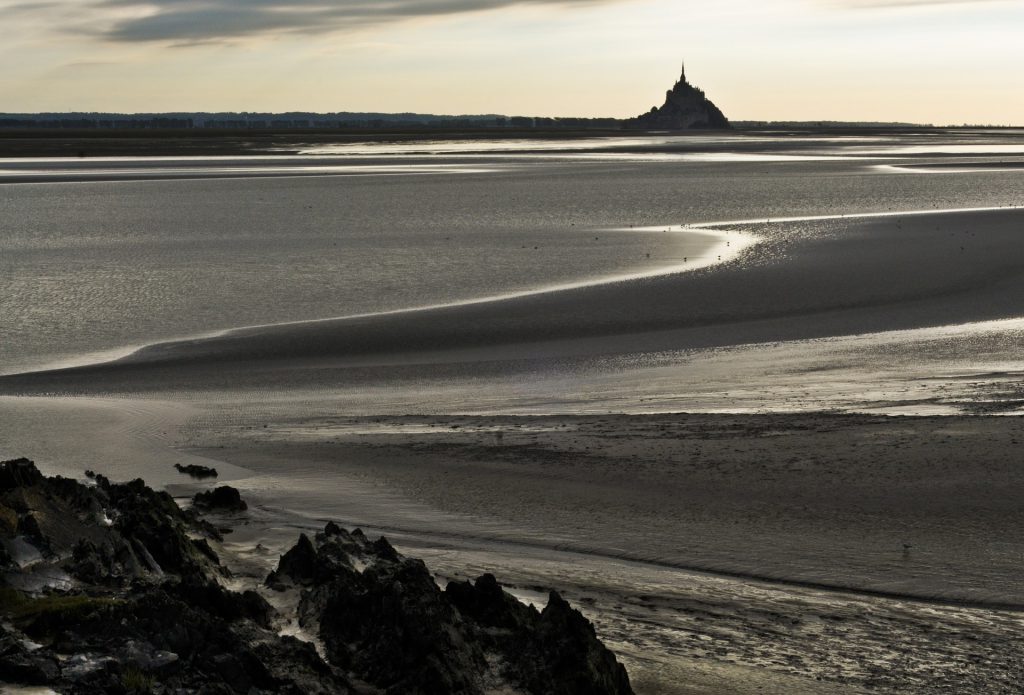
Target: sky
[(922, 61)]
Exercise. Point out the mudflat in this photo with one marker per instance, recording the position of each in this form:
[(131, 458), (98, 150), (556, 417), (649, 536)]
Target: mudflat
[(761, 541), (868, 550)]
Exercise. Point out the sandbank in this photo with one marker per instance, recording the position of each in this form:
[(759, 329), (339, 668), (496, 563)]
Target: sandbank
[(805, 279)]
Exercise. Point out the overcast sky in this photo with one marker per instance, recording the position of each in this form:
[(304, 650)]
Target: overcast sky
[(935, 61)]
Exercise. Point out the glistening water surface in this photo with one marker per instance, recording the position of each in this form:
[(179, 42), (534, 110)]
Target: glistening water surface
[(91, 267)]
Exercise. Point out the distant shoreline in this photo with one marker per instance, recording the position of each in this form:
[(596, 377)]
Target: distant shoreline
[(170, 142), (30, 142)]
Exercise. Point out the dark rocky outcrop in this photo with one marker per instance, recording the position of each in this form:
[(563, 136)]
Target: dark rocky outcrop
[(222, 499), (555, 650), (685, 107), (112, 588), (104, 534), (382, 616), (194, 470), (19, 473)]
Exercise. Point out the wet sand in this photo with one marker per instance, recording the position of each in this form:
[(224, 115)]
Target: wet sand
[(873, 553), (925, 507), (805, 279), (715, 553)]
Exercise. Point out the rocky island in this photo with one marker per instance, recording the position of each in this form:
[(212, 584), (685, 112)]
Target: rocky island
[(685, 107), (113, 588)]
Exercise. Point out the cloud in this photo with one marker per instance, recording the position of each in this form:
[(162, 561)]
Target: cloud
[(87, 64), (211, 20)]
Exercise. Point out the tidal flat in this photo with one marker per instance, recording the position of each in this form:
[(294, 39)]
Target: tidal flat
[(788, 467)]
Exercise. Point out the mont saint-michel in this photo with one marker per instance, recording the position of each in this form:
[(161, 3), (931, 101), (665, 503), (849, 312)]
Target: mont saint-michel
[(685, 107)]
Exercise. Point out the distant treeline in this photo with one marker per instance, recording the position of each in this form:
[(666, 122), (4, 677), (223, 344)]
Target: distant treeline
[(287, 121), (80, 121), (828, 124)]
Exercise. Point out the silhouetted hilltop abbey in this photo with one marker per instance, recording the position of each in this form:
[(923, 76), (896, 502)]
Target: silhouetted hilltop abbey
[(685, 107)]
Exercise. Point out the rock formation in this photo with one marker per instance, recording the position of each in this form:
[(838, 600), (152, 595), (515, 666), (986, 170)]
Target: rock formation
[(194, 470), (223, 499), (112, 588), (383, 616), (685, 107)]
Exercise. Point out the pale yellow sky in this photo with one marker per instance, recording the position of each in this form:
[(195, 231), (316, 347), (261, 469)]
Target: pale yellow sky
[(928, 61)]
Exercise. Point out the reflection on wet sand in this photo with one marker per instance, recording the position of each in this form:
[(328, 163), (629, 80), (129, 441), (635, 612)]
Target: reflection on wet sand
[(761, 542)]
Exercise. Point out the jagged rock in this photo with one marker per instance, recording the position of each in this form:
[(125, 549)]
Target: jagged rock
[(391, 625), (555, 651), (181, 644), (146, 657), (152, 612), (109, 562), (487, 603), (383, 618), (24, 667), (19, 665), (107, 534), (295, 661), (158, 530), (28, 526), (575, 659), (297, 566), (19, 473), (685, 107), (224, 498), (214, 599), (149, 614)]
